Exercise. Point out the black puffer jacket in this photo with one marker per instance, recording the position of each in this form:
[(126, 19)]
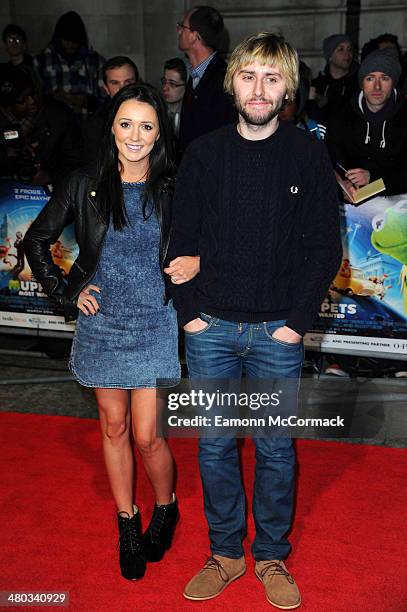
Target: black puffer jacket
[(76, 201), (381, 149)]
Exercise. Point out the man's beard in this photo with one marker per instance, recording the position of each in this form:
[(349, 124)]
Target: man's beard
[(259, 119)]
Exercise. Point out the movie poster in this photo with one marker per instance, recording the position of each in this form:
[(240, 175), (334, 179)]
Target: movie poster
[(366, 307), (22, 300)]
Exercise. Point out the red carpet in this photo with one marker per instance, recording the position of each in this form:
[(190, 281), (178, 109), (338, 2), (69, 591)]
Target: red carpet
[(58, 528)]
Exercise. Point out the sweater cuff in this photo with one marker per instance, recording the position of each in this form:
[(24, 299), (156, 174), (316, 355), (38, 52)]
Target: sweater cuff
[(299, 321), (185, 317)]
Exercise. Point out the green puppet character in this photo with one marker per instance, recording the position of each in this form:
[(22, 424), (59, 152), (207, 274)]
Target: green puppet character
[(389, 236)]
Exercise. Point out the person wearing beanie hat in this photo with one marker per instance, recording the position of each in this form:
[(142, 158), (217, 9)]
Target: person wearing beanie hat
[(70, 69), (331, 43), (382, 60), (369, 137), (337, 82)]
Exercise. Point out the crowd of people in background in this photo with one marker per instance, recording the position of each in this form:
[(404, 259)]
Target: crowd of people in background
[(53, 106), (68, 107), (58, 100)]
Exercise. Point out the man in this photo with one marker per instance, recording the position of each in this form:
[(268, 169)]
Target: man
[(205, 106), (258, 202), (15, 42), (383, 41), (173, 88), (337, 82), (388, 41), (39, 139), (369, 137), (117, 72), (69, 68)]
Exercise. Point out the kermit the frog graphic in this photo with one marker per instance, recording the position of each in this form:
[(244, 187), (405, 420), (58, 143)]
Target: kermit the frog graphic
[(389, 236)]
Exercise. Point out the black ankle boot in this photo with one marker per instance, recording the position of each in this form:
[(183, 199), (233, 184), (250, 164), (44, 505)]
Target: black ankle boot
[(158, 537), (132, 553)]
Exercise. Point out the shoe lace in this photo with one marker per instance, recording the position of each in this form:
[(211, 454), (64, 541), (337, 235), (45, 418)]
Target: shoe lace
[(158, 522), (130, 540), (272, 568), (214, 564)]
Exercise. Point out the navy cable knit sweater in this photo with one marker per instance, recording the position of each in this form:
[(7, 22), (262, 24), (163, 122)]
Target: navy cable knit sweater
[(263, 215)]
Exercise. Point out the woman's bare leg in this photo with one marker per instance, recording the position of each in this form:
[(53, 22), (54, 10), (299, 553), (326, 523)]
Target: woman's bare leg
[(154, 451), (114, 412)]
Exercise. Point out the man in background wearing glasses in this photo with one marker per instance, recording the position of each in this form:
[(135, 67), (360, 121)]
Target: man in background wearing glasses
[(15, 44), (205, 106), (173, 88)]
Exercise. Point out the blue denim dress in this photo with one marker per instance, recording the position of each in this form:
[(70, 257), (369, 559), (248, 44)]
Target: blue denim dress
[(133, 339)]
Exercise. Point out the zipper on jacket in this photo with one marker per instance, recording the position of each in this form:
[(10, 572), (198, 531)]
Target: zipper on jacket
[(78, 266), (99, 214)]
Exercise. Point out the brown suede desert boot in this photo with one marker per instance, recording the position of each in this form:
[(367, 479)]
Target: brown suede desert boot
[(280, 587), (214, 577)]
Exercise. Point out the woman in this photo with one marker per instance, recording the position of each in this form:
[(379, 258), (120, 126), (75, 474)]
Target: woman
[(125, 345)]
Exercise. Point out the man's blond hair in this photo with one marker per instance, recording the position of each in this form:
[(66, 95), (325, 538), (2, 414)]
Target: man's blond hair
[(267, 49)]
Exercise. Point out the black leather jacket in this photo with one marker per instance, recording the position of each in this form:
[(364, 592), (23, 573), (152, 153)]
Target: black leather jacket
[(76, 201)]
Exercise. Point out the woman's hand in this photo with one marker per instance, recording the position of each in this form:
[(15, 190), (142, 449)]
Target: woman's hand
[(87, 303), (183, 269)]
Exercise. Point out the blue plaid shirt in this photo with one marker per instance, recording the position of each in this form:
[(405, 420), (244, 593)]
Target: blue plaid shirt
[(82, 76), (197, 73)]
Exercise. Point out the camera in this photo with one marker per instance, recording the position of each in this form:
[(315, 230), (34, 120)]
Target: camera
[(25, 160)]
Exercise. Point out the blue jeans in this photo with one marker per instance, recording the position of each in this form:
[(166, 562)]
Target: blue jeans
[(222, 350)]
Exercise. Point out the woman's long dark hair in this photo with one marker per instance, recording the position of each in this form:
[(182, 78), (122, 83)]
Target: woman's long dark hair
[(161, 164)]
